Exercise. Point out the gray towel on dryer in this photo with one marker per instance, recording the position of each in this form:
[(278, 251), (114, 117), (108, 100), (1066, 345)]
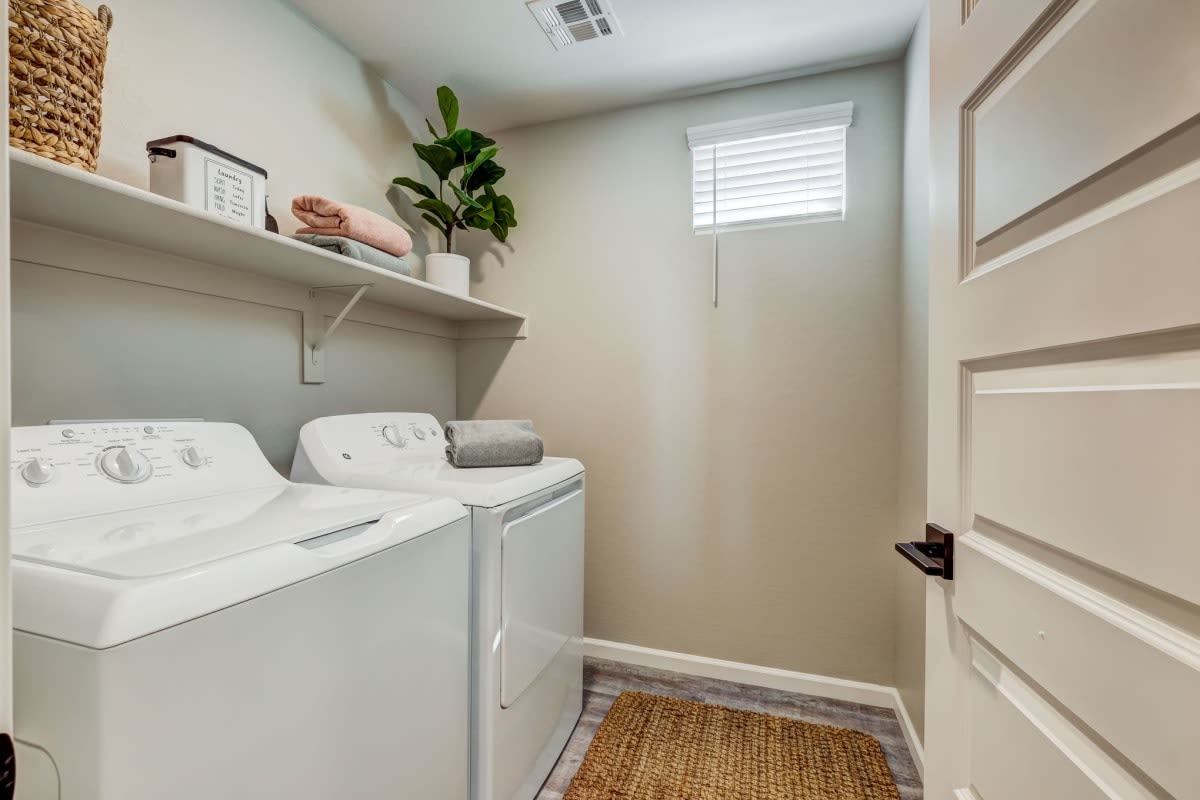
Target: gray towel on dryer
[(356, 250), (492, 443)]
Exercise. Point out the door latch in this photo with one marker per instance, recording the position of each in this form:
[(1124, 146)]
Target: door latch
[(935, 555)]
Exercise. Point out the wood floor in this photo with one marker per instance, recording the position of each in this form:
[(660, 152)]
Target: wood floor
[(604, 680)]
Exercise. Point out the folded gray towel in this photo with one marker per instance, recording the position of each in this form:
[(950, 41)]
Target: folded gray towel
[(492, 443), (356, 250)]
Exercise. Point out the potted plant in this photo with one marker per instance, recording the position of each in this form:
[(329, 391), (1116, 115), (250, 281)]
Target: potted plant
[(464, 160)]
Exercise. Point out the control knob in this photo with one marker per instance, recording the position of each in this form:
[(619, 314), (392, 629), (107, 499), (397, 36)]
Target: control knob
[(192, 456), (37, 471), (392, 435), (125, 465)]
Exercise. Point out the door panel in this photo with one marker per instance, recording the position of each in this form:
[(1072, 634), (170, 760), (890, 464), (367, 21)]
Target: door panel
[(1144, 254), (1011, 725), (1151, 171), (1095, 91), (1046, 770), (1096, 656), (1099, 462), (541, 605), (1064, 658)]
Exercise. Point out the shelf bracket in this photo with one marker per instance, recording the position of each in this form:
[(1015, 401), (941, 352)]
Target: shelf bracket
[(316, 333)]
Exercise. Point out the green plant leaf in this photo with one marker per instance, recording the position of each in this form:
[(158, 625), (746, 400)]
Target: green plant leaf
[(419, 188), (459, 142), (467, 144), (484, 155), (505, 210), (465, 198), (482, 219), (448, 105), (474, 154), (440, 159), (478, 143), (438, 207), (485, 174)]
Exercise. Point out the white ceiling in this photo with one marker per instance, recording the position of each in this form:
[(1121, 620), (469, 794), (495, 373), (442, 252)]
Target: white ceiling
[(506, 73)]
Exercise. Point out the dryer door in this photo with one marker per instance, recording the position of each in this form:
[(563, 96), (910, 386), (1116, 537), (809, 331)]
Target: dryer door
[(541, 556)]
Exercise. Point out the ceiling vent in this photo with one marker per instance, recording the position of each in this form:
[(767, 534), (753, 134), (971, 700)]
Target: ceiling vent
[(569, 22)]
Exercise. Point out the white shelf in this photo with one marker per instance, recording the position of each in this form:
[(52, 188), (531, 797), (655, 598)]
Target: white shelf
[(48, 193)]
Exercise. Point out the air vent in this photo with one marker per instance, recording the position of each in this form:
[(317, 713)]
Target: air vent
[(568, 22)]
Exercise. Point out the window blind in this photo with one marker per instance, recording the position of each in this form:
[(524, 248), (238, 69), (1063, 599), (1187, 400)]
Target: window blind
[(778, 168)]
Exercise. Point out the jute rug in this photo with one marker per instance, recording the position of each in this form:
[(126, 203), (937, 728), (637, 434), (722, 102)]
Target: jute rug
[(664, 748)]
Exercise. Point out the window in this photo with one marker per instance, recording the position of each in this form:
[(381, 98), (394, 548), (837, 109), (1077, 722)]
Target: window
[(779, 168)]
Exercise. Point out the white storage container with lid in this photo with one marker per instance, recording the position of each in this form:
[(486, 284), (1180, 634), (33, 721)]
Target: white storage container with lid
[(186, 169)]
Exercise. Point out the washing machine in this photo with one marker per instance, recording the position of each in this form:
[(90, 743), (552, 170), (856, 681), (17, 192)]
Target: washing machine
[(188, 624), (527, 581)]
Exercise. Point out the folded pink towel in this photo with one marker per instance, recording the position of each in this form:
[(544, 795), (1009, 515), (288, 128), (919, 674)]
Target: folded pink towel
[(326, 217)]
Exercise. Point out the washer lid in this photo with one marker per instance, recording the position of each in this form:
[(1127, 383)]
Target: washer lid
[(110, 578), (177, 536)]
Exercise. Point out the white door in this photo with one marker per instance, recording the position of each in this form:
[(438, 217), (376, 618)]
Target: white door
[(1063, 659)]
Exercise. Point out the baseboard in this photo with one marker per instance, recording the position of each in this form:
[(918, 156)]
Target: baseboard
[(910, 734), (871, 694)]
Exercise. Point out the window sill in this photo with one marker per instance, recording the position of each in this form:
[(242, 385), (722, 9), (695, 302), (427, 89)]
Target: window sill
[(737, 227)]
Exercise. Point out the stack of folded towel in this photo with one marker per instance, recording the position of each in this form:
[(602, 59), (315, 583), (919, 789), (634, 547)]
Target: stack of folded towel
[(352, 231), (492, 443)]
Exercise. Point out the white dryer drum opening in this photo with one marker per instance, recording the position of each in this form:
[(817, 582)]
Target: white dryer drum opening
[(541, 556)]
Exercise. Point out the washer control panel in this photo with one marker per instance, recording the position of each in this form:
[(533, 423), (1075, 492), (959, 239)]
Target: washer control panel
[(73, 469)]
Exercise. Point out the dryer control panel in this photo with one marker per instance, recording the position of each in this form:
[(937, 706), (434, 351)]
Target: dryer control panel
[(76, 469), (379, 437)]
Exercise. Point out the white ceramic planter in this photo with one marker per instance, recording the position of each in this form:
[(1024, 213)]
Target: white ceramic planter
[(450, 272)]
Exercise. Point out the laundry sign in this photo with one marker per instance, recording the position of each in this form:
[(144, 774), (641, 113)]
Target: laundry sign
[(229, 192)]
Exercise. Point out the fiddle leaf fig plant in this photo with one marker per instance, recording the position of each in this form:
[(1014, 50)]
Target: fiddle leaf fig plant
[(464, 161)]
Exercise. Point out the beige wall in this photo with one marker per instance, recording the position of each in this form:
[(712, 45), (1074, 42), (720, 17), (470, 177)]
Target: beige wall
[(258, 80), (914, 354), (741, 461)]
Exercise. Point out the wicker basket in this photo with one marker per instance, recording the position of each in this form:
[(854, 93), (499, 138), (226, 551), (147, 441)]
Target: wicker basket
[(56, 51)]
